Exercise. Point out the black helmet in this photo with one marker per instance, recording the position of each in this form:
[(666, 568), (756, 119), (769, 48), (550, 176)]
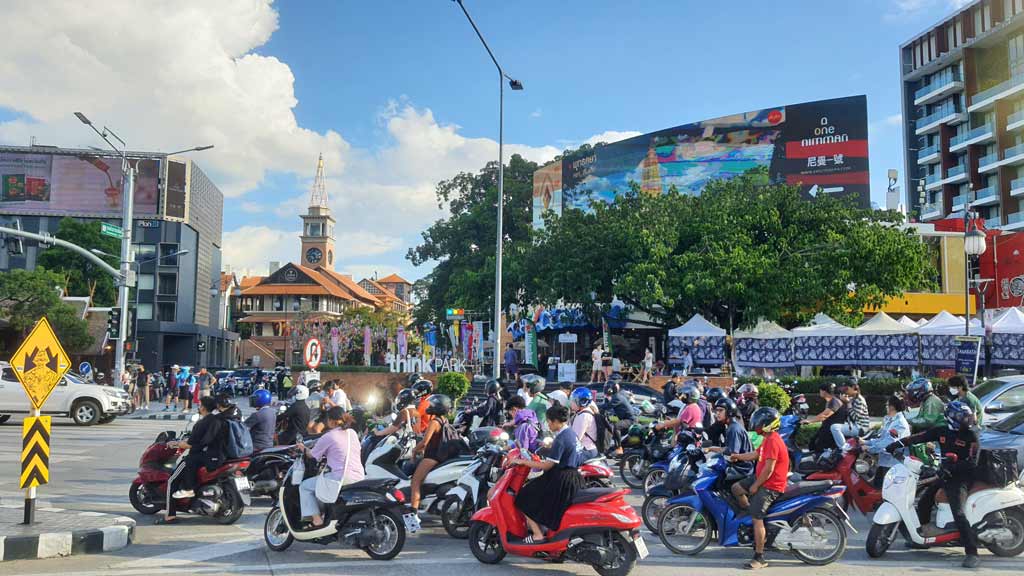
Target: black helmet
[(829, 387), (438, 405), (422, 388), (611, 389), (492, 386), (765, 420), (919, 389), (713, 395), (729, 405), (414, 378), (616, 377), (535, 382), (405, 398), (688, 393)]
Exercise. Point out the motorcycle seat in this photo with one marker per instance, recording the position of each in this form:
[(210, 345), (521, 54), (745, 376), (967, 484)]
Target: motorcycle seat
[(801, 488), (371, 484), (591, 494), (598, 460)]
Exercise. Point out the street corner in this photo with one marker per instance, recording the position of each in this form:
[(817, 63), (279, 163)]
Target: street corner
[(58, 532)]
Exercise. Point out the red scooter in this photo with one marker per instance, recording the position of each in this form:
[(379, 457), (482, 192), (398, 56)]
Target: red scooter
[(863, 494), (599, 528), (222, 493), (596, 473)]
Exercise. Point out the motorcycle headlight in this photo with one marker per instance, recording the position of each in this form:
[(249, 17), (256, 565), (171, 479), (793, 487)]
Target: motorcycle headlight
[(861, 467)]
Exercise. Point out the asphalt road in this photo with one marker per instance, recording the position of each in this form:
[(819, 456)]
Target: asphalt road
[(91, 469)]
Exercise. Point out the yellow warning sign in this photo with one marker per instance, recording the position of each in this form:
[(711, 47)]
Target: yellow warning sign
[(35, 451), (39, 363)]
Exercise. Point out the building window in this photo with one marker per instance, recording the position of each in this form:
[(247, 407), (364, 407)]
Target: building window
[(257, 329), (143, 311), (1016, 53), (278, 303), (165, 311), (316, 303), (143, 252), (314, 229), (144, 282), (296, 303), (167, 284), (168, 255)]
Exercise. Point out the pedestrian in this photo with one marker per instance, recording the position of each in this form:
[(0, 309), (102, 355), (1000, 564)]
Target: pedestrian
[(595, 365), (511, 363), (279, 384), (338, 397), (183, 383), (606, 364), (128, 377), (142, 388), (687, 362), (207, 382), (958, 390), (171, 395), (648, 365)]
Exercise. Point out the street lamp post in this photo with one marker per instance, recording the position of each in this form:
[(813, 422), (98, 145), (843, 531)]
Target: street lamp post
[(515, 85), (974, 245)]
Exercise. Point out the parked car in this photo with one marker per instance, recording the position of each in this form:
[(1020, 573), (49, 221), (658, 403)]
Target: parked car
[(638, 391), (243, 379), (84, 402), (1000, 397), (1006, 434)]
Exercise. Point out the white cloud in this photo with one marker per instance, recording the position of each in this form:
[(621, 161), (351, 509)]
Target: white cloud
[(889, 122), (536, 113), (251, 207), (610, 136)]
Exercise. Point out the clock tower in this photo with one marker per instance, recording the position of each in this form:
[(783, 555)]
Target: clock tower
[(318, 225)]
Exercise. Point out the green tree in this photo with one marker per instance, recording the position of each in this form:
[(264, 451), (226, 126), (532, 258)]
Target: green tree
[(25, 297), (81, 276)]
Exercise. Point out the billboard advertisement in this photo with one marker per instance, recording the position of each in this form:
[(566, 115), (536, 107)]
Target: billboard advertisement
[(821, 146), (54, 184)]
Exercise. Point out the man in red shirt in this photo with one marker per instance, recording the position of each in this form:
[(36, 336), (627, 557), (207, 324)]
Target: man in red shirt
[(758, 492)]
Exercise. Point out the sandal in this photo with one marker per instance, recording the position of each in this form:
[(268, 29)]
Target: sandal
[(164, 520), (531, 540)]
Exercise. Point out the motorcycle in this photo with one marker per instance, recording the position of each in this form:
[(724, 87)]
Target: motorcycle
[(370, 515), (385, 462), (683, 469), (644, 446), (805, 519), (996, 513), (599, 528), (657, 471), (221, 493), (855, 472)]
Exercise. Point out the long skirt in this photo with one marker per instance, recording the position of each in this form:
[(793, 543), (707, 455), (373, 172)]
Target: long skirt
[(545, 499)]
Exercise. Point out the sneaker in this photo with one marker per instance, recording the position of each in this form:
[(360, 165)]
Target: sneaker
[(166, 408), (757, 562), (179, 494), (972, 561)]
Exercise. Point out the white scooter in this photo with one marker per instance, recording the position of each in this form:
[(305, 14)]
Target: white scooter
[(470, 495), (384, 461), (996, 514)]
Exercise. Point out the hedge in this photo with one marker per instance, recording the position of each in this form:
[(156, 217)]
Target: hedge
[(343, 368), (868, 386)]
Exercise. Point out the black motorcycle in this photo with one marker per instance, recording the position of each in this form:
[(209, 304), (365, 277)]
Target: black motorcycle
[(642, 446)]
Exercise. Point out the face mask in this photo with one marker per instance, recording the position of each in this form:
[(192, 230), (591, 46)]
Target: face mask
[(954, 391)]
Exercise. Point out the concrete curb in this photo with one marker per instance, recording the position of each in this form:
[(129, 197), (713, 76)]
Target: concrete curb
[(160, 416), (117, 535)]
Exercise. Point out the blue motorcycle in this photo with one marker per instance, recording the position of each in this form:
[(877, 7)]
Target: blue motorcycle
[(805, 521), (681, 471)]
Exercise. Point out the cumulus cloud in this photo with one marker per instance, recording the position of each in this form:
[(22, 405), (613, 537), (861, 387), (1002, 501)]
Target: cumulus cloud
[(610, 136)]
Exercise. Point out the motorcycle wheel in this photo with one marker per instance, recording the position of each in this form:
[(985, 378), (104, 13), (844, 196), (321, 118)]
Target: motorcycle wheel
[(625, 556), (455, 515), (597, 483), (699, 532), (1014, 520), (651, 511), (822, 519), (275, 532), (389, 522), (232, 507), (485, 543), (632, 468), (880, 537), (652, 479), (139, 496)]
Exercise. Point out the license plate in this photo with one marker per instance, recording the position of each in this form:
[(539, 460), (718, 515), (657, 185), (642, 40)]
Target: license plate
[(641, 547), (242, 483), (412, 523)]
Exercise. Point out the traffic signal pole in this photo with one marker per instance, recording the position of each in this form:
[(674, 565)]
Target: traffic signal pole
[(127, 204)]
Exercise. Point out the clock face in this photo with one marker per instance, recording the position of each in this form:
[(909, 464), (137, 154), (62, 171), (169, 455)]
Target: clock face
[(314, 255)]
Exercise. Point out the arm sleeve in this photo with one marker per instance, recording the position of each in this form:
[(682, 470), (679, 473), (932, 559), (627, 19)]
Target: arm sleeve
[(929, 435), (733, 442), (557, 450), (321, 446), (252, 420), (970, 463)]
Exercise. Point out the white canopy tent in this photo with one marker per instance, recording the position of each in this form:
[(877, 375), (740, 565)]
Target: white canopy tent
[(938, 338), (908, 322), (1008, 338), (883, 341), (824, 343), (766, 345), (704, 340)]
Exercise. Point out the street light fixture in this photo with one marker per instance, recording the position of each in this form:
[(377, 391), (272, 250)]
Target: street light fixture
[(974, 245), (514, 85)]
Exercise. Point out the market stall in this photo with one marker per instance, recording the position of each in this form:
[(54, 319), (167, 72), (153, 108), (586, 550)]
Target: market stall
[(767, 345), (824, 342), (938, 338), (704, 340), (1008, 338), (883, 341)]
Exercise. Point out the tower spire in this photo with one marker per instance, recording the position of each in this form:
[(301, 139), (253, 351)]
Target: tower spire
[(318, 194)]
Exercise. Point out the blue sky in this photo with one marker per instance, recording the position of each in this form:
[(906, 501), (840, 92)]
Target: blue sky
[(400, 94)]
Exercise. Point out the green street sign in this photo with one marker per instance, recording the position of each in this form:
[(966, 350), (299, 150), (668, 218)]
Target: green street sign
[(111, 230)]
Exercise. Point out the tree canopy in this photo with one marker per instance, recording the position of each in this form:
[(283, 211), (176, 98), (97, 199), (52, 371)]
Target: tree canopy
[(25, 297), (81, 276)]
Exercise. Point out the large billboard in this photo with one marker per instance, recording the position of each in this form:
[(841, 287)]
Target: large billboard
[(820, 146), (57, 184)]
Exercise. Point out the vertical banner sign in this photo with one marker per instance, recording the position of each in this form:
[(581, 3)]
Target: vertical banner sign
[(403, 344), (606, 336), (968, 351), (468, 338), (531, 343), (35, 452), (367, 345), (478, 341)]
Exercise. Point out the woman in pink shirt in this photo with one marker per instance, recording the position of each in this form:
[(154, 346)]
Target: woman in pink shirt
[(340, 446), (690, 416)]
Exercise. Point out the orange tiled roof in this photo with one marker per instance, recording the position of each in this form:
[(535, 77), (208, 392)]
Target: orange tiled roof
[(349, 284), (394, 279), (323, 287), (387, 294), (250, 281), (226, 279)]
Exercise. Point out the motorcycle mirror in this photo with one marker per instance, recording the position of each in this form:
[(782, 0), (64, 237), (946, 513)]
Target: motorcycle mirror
[(547, 441)]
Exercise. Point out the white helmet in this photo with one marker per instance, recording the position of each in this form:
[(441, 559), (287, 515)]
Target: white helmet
[(301, 392)]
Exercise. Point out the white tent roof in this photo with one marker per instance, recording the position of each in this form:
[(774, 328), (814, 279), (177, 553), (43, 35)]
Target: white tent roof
[(1009, 322), (908, 322), (764, 330), (697, 326), (922, 321), (945, 323), (882, 323), (822, 325)]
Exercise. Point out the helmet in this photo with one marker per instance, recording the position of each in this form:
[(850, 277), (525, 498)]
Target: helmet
[(765, 420), (634, 436), (919, 389), (611, 389), (959, 415), (301, 392), (438, 405), (688, 393), (260, 398), (616, 377), (829, 387), (748, 391), (422, 388), (713, 395), (729, 405), (492, 386), (535, 382), (582, 397), (414, 378), (404, 398)]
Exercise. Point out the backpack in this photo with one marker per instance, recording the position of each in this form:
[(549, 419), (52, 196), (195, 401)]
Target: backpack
[(239, 441), (606, 438), (451, 443)]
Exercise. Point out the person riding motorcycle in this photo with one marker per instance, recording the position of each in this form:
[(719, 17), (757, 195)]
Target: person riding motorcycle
[(894, 427), (958, 440), (405, 413), (423, 389), (715, 433), (737, 441), (261, 423), (340, 446), (921, 393), (296, 418), (690, 416), (490, 411), (748, 401), (438, 406), (584, 424), (205, 447), (835, 412), (539, 401), (523, 423), (960, 390)]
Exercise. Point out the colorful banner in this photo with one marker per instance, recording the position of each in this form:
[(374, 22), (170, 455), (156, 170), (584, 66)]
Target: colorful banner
[(403, 345), (468, 336), (531, 344), (478, 341), (606, 336), (367, 345)]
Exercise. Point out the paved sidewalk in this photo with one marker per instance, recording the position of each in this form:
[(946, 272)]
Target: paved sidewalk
[(59, 532)]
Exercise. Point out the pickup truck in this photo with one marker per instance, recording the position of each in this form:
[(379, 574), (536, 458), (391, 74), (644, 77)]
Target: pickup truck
[(85, 403)]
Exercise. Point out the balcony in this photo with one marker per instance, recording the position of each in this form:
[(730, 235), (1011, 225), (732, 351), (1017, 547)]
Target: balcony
[(928, 155), (987, 196), (987, 98), (1017, 187), (974, 136), (932, 211), (994, 222), (1015, 121), (956, 174), (1013, 155), (959, 202), (938, 88), (1014, 221), (988, 162), (933, 181), (932, 122)]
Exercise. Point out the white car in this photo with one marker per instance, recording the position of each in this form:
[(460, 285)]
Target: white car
[(83, 402)]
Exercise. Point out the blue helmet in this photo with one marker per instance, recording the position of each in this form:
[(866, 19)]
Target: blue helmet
[(582, 397), (959, 415), (919, 389), (261, 398)]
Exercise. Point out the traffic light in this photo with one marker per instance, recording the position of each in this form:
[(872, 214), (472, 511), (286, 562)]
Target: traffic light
[(114, 324)]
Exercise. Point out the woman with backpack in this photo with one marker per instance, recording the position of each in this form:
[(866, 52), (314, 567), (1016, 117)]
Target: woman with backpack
[(438, 406), (584, 423), (205, 447)]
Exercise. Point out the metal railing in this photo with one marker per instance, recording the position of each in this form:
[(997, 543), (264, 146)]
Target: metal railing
[(956, 170), (932, 178), (1017, 116), (960, 200), (988, 159), (1015, 218), (995, 222), (1001, 87), (932, 208), (936, 84), (935, 117), (970, 135), (1014, 151), (989, 192), (925, 152)]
